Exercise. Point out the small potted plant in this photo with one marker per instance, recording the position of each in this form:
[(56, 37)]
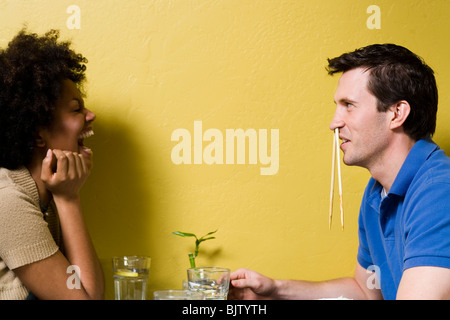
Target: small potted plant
[(191, 255), (212, 281)]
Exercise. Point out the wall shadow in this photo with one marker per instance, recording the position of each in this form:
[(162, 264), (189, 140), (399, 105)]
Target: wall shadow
[(116, 202), (445, 145), (442, 137)]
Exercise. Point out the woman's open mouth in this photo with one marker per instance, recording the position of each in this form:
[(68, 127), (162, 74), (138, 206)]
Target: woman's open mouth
[(84, 135)]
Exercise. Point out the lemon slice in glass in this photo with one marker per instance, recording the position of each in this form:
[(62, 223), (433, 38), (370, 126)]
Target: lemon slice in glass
[(125, 273)]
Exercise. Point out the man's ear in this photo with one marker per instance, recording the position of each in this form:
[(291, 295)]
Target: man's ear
[(400, 111)]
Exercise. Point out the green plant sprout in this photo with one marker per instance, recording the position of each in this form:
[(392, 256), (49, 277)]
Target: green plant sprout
[(191, 255)]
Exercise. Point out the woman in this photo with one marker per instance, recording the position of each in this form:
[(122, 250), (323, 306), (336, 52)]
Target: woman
[(43, 165)]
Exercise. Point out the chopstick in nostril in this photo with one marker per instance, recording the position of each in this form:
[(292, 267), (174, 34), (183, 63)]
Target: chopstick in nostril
[(335, 159)]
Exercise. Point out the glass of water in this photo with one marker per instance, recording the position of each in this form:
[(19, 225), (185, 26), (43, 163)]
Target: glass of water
[(214, 282), (130, 277)]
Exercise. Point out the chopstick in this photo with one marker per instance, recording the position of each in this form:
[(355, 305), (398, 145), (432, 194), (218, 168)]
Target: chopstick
[(335, 159), (333, 165), (338, 159)]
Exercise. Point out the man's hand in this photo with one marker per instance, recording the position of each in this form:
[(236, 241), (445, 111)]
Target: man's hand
[(247, 284), (250, 285)]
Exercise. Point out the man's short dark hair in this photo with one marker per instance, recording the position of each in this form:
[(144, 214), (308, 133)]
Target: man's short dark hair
[(32, 70), (396, 74)]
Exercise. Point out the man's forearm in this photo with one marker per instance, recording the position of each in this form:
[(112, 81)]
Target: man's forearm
[(307, 290)]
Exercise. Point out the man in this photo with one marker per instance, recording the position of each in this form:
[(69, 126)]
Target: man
[(386, 104)]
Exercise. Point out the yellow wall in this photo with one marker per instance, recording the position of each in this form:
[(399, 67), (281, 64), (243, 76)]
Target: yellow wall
[(158, 66)]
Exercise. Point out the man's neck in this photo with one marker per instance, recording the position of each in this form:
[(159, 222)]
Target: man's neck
[(385, 171)]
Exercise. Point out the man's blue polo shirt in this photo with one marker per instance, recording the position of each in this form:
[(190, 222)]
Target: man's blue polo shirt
[(409, 227)]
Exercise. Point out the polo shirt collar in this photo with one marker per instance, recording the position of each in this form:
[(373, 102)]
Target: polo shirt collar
[(420, 152)]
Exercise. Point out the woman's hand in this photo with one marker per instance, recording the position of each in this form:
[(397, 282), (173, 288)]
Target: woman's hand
[(64, 172)]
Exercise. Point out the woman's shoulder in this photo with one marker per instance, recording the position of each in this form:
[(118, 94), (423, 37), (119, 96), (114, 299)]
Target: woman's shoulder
[(17, 186)]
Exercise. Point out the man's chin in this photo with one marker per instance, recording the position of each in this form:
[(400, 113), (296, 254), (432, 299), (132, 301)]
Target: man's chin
[(348, 162)]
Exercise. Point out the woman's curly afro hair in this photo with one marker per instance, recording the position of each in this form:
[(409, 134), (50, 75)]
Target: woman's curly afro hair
[(32, 69)]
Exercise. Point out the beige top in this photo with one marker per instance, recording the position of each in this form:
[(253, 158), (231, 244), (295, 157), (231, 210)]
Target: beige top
[(26, 234)]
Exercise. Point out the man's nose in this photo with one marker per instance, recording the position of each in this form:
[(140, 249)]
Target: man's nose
[(336, 122)]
